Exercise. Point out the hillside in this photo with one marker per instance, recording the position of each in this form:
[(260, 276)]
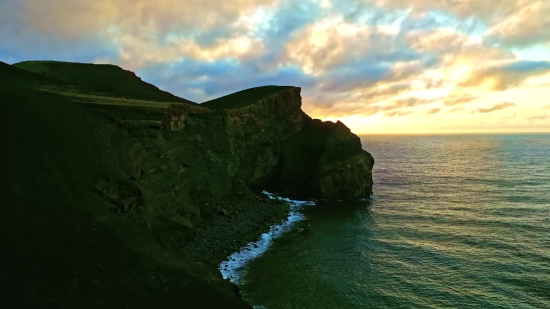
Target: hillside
[(105, 78), (118, 202)]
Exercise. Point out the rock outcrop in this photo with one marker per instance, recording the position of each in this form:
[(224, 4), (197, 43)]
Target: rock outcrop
[(275, 146)]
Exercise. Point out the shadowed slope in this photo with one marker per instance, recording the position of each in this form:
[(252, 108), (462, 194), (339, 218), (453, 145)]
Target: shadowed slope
[(243, 98), (103, 77), (61, 245), (101, 195), (18, 78)]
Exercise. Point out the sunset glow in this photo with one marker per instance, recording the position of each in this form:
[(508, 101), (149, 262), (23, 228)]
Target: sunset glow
[(379, 66)]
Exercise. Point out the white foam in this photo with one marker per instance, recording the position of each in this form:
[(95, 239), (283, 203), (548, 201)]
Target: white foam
[(232, 268)]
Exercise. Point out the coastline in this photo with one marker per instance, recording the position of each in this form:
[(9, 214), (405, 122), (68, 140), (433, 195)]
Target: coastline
[(124, 188), (252, 228), (244, 222), (231, 266)]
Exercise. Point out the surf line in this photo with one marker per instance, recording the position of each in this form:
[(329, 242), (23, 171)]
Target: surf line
[(232, 268)]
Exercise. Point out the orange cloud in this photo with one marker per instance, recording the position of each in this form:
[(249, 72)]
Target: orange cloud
[(328, 43), (457, 99), (433, 111), (528, 23), (398, 113), (496, 107), (136, 53), (77, 18), (149, 31), (377, 73), (499, 77)]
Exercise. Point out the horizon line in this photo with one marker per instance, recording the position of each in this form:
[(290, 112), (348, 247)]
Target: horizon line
[(457, 133)]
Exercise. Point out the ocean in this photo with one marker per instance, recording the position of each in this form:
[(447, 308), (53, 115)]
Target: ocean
[(456, 221)]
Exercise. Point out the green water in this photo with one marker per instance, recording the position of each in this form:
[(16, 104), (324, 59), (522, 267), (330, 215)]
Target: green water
[(455, 222)]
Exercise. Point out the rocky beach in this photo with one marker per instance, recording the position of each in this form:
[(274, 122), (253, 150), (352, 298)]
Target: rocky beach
[(217, 239)]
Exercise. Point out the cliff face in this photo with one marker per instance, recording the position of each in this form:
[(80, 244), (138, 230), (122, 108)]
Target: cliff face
[(275, 146)]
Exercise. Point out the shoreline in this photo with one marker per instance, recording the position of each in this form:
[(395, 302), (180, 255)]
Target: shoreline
[(229, 242), (241, 223), (123, 189), (231, 267)]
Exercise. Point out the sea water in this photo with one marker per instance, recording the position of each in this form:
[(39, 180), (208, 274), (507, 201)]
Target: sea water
[(456, 221)]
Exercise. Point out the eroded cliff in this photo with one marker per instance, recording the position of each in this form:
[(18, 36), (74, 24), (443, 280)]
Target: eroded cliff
[(275, 146)]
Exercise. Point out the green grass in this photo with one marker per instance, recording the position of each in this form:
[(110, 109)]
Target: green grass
[(243, 98), (106, 78)]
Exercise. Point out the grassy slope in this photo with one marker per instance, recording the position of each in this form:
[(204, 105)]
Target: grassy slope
[(61, 247), (104, 77), (243, 98)]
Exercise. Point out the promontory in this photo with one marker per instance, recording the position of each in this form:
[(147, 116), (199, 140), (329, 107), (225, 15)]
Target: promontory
[(116, 194)]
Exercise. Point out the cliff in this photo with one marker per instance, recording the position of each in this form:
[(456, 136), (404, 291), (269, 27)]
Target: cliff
[(275, 146), (108, 198)]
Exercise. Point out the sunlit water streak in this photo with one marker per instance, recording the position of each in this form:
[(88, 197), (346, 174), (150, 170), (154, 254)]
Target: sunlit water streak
[(455, 222)]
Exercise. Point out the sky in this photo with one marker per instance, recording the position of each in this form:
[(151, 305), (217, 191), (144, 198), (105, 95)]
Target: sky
[(379, 66)]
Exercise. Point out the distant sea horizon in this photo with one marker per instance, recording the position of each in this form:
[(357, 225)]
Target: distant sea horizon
[(457, 220), (454, 133)]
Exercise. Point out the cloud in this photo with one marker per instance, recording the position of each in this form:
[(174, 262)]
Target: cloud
[(433, 111), (398, 113), (483, 9), (509, 22), (364, 75), (138, 33), (343, 104), (464, 62), (526, 66), (388, 58), (448, 41), (138, 18), (539, 117), (496, 107), (349, 78), (383, 91), (445, 68), (406, 103), (362, 100), (137, 53), (505, 75), (527, 23), (21, 42), (332, 42), (457, 100), (314, 109), (200, 81)]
